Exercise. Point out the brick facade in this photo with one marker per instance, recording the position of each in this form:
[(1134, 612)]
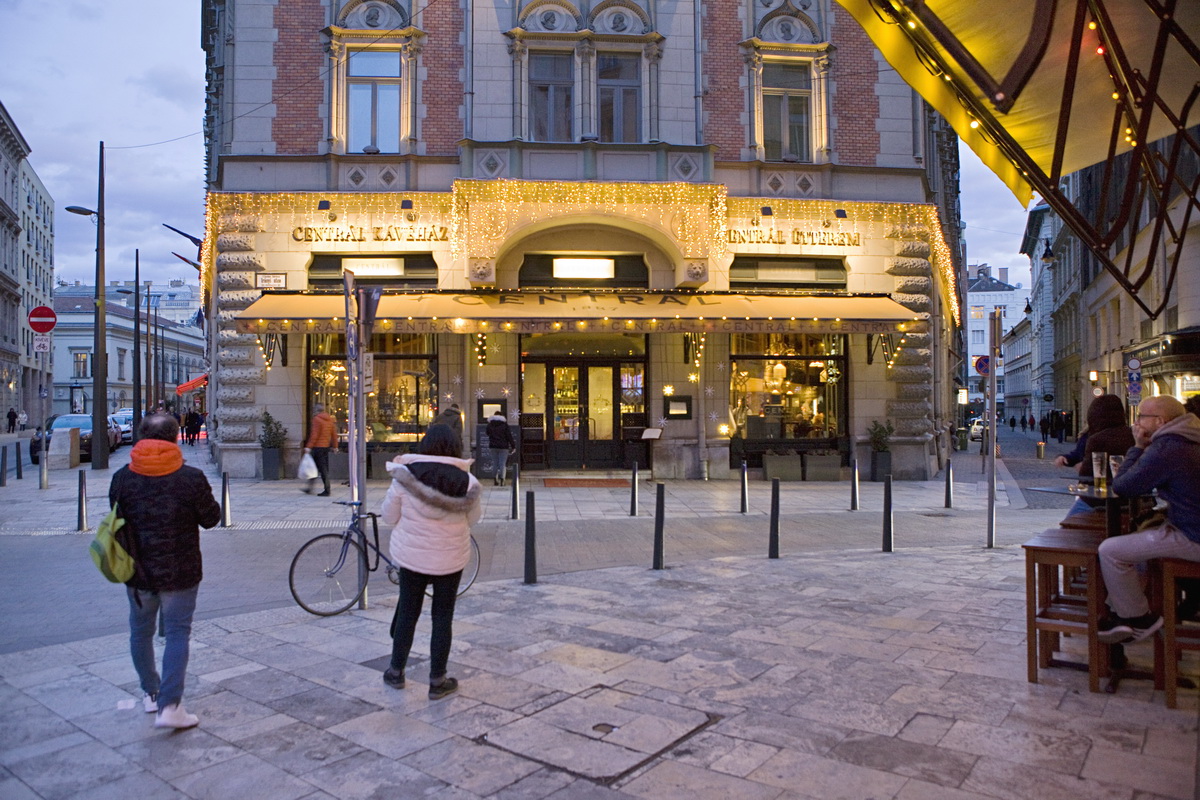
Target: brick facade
[(442, 86), (855, 103), (724, 69), (298, 88)]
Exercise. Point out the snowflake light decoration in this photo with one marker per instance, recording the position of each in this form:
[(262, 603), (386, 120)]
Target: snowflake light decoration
[(720, 366), (662, 422), (456, 380), (506, 391), (449, 397), (713, 416), (514, 415), (479, 394), (709, 391)]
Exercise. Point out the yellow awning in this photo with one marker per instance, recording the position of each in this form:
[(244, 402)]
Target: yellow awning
[(996, 36), (554, 311)]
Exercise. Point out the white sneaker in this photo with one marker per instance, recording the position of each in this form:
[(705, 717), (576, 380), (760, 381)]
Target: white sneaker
[(175, 717), (150, 703)]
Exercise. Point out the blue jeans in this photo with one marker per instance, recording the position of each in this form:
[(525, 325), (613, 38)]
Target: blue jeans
[(501, 456), (177, 609)]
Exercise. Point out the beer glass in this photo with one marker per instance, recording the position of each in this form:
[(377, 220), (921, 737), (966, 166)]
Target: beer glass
[(1100, 472)]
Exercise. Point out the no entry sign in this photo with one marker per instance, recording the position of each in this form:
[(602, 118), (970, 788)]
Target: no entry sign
[(42, 319)]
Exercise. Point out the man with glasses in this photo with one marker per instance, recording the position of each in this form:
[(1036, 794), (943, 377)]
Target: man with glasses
[(1165, 457)]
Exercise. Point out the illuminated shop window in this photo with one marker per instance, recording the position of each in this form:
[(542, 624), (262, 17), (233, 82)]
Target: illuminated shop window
[(787, 386)]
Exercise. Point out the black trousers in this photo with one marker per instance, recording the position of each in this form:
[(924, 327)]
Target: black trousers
[(321, 459), (408, 610)]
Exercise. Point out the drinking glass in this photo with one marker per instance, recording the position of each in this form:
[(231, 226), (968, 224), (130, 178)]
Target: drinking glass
[(1100, 471), (1114, 464)]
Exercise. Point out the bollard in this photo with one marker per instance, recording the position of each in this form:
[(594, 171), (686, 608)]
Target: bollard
[(515, 512), (949, 483), (43, 471), (82, 512), (633, 492), (660, 504), (1041, 449), (887, 513), (854, 485), (745, 488), (3, 466), (773, 537), (17, 448), (530, 540), (226, 511)]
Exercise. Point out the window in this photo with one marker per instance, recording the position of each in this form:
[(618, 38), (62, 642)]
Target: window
[(121, 364), (976, 312), (80, 365), (618, 83), (976, 337), (551, 83), (1003, 311), (787, 386), (373, 101), (787, 91)]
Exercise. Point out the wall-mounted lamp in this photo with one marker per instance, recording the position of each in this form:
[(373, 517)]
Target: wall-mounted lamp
[(840, 213), (1048, 254), (325, 205), (1093, 376), (767, 211), (1028, 307), (406, 204)]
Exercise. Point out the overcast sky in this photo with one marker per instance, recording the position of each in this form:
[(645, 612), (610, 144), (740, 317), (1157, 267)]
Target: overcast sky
[(131, 74)]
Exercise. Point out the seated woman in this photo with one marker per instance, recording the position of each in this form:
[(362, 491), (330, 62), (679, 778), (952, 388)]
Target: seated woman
[(1108, 432)]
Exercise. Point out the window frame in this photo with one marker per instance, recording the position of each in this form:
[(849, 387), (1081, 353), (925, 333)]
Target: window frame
[(345, 42), (816, 57), (532, 83), (375, 83), (619, 87), (785, 95)]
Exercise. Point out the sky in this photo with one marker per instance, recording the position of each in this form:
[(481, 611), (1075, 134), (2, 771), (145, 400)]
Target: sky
[(131, 74)]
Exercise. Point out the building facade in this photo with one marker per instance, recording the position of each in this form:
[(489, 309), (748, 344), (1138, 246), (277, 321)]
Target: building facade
[(985, 294), (723, 221), (13, 151), (37, 275)]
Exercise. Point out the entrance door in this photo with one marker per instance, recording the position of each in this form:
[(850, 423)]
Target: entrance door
[(583, 423), (565, 437)]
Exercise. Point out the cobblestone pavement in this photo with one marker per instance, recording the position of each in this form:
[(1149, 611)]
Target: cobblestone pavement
[(835, 671)]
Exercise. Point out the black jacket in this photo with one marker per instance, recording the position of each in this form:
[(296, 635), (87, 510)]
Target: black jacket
[(163, 515), (500, 435)]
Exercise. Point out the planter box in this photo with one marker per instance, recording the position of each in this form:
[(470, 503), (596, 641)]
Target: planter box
[(786, 468), (272, 463), (881, 465), (822, 468)]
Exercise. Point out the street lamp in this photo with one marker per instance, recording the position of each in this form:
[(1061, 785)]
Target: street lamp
[(137, 346), (99, 340)]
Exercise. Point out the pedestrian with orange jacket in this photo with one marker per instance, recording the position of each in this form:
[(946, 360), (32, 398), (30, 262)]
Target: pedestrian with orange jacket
[(322, 435)]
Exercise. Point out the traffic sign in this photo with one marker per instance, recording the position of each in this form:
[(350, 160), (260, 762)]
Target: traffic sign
[(983, 365), (1135, 387), (41, 343), (42, 319), (1135, 377), (1134, 364)]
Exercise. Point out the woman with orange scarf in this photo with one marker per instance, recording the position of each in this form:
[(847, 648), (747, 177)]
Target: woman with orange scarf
[(164, 503)]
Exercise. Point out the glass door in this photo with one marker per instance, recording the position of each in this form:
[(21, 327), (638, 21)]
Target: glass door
[(566, 438), (601, 447)]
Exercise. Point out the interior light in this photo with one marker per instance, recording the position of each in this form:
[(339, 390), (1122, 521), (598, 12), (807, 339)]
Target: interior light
[(587, 268)]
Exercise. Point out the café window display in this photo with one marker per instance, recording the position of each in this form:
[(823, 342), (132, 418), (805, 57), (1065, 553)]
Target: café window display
[(402, 399), (787, 391)]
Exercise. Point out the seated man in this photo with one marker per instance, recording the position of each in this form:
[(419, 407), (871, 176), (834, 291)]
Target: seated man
[(1166, 457)]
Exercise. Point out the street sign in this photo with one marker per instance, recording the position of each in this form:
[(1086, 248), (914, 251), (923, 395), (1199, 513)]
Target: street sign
[(1135, 377), (1097, 391), (1134, 364), (1135, 387), (1048, 398), (42, 319), (41, 343), (983, 365)]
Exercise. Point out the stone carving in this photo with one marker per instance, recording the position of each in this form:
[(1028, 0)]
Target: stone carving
[(241, 413), (239, 299), (909, 266), (235, 433), (914, 285), (227, 242), (913, 302), (916, 340), (235, 376), (244, 223), (227, 315), (898, 408), (915, 355), (912, 391), (235, 394), (235, 355), (235, 280), (913, 426), (229, 337), (912, 249), (914, 374), (241, 261), (482, 272), (697, 271)]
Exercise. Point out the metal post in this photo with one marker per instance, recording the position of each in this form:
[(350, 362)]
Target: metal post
[(660, 504), (226, 509), (17, 449), (44, 466), (887, 513), (82, 511), (745, 488), (949, 483), (530, 540), (3, 466), (515, 513), (994, 426), (773, 538), (633, 492), (854, 485)]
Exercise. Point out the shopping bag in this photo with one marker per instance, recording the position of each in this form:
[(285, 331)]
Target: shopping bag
[(113, 560), (308, 468)]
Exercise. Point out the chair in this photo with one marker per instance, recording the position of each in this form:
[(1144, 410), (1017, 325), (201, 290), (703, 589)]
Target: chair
[(1051, 609), (1175, 637)]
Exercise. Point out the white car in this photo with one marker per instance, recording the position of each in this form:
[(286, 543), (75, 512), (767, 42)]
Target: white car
[(977, 429)]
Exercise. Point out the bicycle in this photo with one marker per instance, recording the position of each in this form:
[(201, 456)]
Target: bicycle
[(326, 578)]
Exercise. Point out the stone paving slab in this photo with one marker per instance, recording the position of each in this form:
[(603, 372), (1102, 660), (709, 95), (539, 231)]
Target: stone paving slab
[(843, 674)]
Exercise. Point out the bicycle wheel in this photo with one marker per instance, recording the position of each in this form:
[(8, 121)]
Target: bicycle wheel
[(469, 573), (324, 577)]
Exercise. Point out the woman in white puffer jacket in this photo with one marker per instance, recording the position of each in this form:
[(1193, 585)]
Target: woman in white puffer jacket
[(432, 502)]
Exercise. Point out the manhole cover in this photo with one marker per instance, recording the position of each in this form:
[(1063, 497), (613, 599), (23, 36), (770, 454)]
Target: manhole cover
[(600, 733)]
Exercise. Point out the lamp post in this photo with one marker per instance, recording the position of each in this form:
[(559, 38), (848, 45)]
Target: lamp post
[(137, 345), (100, 334)]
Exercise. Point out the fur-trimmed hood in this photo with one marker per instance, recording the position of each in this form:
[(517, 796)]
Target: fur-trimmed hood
[(441, 481), (431, 504)]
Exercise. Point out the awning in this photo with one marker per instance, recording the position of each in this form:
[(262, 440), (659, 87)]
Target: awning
[(556, 311), (193, 384)]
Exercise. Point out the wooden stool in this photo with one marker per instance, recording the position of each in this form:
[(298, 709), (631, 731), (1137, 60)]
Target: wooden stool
[(1051, 610), (1175, 638)]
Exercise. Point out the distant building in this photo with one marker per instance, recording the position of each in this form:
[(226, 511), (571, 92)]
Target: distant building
[(13, 151), (37, 289), (1018, 369), (986, 293)]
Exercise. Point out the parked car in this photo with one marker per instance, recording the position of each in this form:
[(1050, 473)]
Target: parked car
[(60, 422), (125, 420), (977, 429), (116, 432)]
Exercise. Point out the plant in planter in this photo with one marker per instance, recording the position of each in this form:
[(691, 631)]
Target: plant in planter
[(272, 439), (822, 465), (879, 434)]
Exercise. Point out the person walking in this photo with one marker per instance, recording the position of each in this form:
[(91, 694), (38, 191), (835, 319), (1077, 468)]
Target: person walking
[(12, 420), (1024, 424), (322, 435), (164, 503), (1012, 424), (432, 502), (1045, 427), (1165, 459), (22, 420), (452, 418), (1032, 422), (502, 443)]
